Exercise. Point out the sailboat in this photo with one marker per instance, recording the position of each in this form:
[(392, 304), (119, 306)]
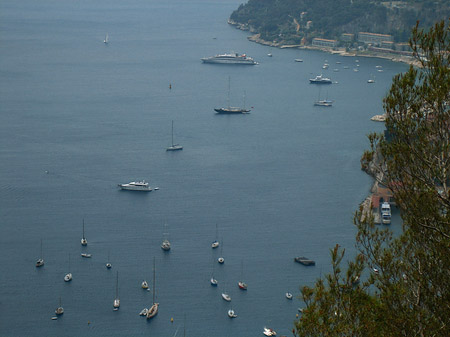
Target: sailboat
[(166, 243), (144, 284), (226, 297), (213, 280), (108, 264), (40, 261), (229, 109), (323, 102), (116, 304), (153, 311), (68, 276), (60, 309), (83, 239), (174, 147), (242, 285), (105, 41), (231, 313), (221, 260), (215, 243)]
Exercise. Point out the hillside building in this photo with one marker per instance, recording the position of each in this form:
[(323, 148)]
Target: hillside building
[(324, 43)]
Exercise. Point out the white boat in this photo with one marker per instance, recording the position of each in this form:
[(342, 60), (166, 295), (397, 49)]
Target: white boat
[(289, 296), (231, 58), (106, 40), (136, 186), (116, 303), (165, 245), (319, 79), (68, 276), (144, 284), (269, 332), (213, 281), (60, 309), (153, 311), (143, 312), (226, 297), (323, 102), (298, 60), (86, 255), (221, 260), (40, 262), (215, 243), (174, 147), (270, 55), (386, 213), (83, 239), (108, 264), (231, 313)]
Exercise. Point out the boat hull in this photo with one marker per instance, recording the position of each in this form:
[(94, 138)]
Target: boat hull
[(127, 187), (174, 148), (153, 311), (304, 261), (230, 111), (228, 61)]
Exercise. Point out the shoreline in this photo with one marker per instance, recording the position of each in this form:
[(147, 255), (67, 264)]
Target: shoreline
[(341, 51)]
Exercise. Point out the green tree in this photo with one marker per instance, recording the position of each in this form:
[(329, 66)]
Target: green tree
[(405, 280)]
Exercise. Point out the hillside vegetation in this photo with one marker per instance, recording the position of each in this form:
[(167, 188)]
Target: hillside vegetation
[(292, 20)]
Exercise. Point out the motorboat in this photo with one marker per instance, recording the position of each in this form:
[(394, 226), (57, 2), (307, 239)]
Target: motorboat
[(231, 313), (86, 255), (215, 244), (221, 260), (226, 297), (386, 213), (298, 60), (165, 245), (319, 79), (144, 284), (269, 332), (242, 285), (108, 265), (68, 277), (136, 186), (143, 312), (214, 282), (304, 260), (289, 296)]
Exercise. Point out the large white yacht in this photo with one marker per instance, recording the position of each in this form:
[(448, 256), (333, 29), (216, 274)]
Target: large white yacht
[(231, 58), (136, 186)]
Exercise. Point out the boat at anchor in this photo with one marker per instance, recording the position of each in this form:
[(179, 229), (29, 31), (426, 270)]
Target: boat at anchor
[(136, 186)]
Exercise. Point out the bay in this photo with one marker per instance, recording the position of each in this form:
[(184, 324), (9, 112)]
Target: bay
[(77, 117)]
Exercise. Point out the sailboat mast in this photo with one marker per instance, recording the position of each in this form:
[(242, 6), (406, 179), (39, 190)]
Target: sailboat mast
[(117, 285), (172, 132), (228, 98), (154, 279), (83, 228), (42, 257)]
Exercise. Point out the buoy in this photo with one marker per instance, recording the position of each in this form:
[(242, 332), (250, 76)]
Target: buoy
[(171, 319)]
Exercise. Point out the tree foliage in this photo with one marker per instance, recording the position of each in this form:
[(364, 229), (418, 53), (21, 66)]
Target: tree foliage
[(405, 279)]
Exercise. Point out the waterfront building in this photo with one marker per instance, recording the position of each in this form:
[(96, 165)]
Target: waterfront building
[(324, 43), (347, 37), (373, 38)]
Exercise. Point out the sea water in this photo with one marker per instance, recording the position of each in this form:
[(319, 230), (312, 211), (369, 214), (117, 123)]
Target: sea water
[(78, 117)]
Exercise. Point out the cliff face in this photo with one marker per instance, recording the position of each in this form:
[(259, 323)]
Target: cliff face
[(293, 20)]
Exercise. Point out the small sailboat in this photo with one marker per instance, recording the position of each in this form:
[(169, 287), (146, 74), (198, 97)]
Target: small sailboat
[(116, 303), (86, 255), (371, 79), (143, 312), (153, 311), (229, 109), (40, 261), (166, 243), (174, 147), (68, 276), (213, 280), (221, 260), (231, 313), (226, 297), (144, 284), (108, 264), (59, 310), (242, 285), (106, 40), (289, 296), (83, 239), (215, 243)]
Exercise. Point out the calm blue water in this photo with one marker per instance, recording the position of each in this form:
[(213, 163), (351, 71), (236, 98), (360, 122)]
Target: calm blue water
[(77, 117)]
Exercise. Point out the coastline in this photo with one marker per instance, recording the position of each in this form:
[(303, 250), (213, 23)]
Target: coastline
[(340, 51)]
